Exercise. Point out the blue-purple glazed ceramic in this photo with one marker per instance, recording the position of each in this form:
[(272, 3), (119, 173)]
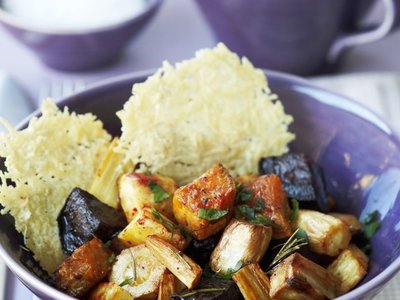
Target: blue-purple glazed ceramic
[(79, 50), (358, 151)]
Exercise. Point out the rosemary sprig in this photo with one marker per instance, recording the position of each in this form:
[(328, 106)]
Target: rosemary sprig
[(195, 292), (171, 227), (297, 240), (183, 260)]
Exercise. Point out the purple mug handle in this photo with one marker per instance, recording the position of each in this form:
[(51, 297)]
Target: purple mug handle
[(391, 8)]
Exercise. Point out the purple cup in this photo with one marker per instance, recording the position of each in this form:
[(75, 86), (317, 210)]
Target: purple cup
[(78, 50), (348, 141), (302, 37)]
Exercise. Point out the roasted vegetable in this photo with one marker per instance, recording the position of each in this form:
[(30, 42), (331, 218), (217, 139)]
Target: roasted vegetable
[(83, 216), (241, 243), (299, 278), (350, 220), (182, 266), (139, 190), (252, 282), (86, 267), (167, 286), (113, 165), (302, 180), (211, 289), (350, 267), (109, 291), (204, 207), (269, 190), (200, 251), (137, 271), (151, 222), (326, 234)]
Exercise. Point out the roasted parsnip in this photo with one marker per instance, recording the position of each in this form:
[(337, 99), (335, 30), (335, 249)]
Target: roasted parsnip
[(204, 206), (252, 282), (109, 291), (297, 277), (350, 267), (167, 286), (137, 271), (354, 224), (326, 234), (183, 267), (104, 186), (151, 222), (81, 271), (242, 242), (269, 189), (139, 190)]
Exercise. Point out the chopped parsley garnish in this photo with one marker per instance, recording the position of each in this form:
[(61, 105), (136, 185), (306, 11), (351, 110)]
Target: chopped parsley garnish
[(245, 211), (211, 214), (371, 224), (209, 273), (111, 259), (295, 210), (242, 194), (259, 205), (159, 194), (259, 219), (297, 240)]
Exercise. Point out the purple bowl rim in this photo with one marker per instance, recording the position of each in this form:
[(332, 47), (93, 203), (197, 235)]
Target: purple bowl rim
[(14, 21), (376, 282)]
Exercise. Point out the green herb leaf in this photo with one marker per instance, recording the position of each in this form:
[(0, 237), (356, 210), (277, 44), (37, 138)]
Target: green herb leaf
[(259, 219), (242, 194), (209, 273), (297, 240), (195, 292), (371, 224), (295, 210), (126, 282), (147, 172), (111, 259), (260, 205), (159, 194), (211, 214), (245, 211), (171, 227)]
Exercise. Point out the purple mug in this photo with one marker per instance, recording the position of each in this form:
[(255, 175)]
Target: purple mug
[(303, 37)]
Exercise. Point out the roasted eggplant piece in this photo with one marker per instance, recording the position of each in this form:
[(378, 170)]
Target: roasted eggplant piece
[(302, 180), (241, 243), (86, 267), (350, 267), (83, 217), (204, 206), (200, 251), (137, 271), (326, 234), (213, 289), (299, 278)]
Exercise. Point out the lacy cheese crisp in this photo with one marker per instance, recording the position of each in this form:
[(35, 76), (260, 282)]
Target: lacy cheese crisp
[(213, 108), (55, 153)]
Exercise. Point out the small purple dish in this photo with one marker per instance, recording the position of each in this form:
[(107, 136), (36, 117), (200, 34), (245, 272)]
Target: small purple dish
[(78, 50), (352, 144)]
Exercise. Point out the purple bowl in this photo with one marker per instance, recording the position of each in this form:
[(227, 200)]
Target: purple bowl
[(78, 50), (345, 138)]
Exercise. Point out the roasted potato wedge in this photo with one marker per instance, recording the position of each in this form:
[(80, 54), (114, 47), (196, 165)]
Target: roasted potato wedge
[(214, 191), (182, 266), (252, 282), (242, 242), (298, 278), (109, 291), (138, 272), (150, 222), (138, 190), (85, 268), (354, 224), (269, 189), (350, 267), (326, 234)]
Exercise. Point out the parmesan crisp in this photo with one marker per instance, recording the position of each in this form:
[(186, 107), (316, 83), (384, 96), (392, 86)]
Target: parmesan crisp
[(55, 153), (214, 108)]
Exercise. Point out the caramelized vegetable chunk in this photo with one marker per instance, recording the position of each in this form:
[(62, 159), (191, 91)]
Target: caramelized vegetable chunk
[(302, 180), (83, 216), (86, 267), (204, 206), (241, 243), (109, 291), (298, 278), (139, 190), (269, 189), (252, 282)]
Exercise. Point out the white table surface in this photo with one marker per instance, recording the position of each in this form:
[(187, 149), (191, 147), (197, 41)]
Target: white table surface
[(176, 33)]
